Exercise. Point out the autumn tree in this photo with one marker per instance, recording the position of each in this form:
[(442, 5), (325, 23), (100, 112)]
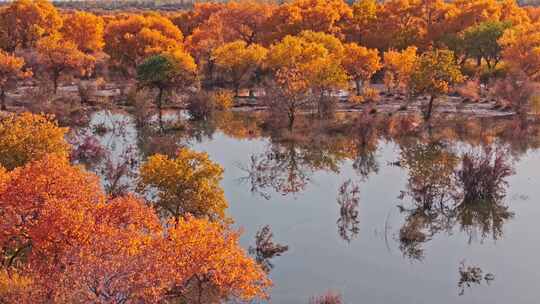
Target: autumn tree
[(434, 73), (246, 20), (360, 63), (58, 57), (482, 42), (313, 60), (11, 71), (399, 67), (364, 18), (85, 30), (521, 49), (188, 21), (27, 137), (289, 95), (130, 40), (166, 72), (239, 62), (293, 17), (63, 241), (186, 184), (24, 22)]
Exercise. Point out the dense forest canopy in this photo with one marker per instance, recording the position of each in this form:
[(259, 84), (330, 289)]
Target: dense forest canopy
[(66, 239)]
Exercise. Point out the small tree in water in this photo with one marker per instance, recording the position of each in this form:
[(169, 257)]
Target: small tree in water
[(167, 72), (434, 73)]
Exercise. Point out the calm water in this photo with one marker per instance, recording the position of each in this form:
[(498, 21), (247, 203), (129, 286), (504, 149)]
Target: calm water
[(297, 195)]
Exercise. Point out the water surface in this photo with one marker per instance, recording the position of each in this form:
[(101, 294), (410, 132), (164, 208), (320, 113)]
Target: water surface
[(294, 188)]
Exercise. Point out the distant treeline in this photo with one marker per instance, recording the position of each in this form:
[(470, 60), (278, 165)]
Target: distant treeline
[(170, 4)]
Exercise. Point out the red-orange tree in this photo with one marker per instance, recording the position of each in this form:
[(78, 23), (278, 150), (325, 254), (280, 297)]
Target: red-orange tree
[(85, 30), (130, 40), (58, 56), (11, 71), (25, 21), (63, 242)]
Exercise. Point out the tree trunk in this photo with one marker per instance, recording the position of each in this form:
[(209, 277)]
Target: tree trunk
[(159, 106), (358, 87), (427, 114), (56, 76), (291, 119), (3, 100)]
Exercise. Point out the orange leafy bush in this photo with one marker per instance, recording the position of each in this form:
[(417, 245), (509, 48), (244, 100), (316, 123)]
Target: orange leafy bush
[(63, 241), (27, 137)]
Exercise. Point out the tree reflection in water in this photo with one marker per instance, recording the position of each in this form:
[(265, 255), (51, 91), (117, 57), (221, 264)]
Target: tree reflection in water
[(348, 201), (470, 276), (281, 168), (265, 249), (482, 182), (430, 167), (447, 190), (287, 167)]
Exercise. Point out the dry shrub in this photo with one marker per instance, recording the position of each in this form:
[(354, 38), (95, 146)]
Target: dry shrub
[(483, 174), (329, 297), (371, 94), (327, 107), (356, 100), (535, 104), (200, 105), (142, 106), (470, 90), (223, 99), (401, 125), (88, 150), (87, 91), (66, 111), (517, 90)]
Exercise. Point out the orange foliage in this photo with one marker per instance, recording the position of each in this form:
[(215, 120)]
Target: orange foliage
[(85, 30), (64, 242), (58, 57), (360, 63), (129, 40), (521, 49), (315, 15), (28, 137), (11, 71), (399, 66), (25, 21)]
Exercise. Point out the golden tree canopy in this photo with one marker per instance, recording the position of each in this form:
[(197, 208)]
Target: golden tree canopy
[(186, 184)]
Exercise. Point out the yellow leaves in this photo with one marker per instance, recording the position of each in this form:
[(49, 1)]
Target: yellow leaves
[(521, 49), (330, 42), (360, 62), (82, 247), (11, 70), (25, 21), (399, 67), (223, 99), (186, 184), (131, 39), (313, 59), (85, 30), (294, 52), (239, 61), (58, 55), (12, 284), (434, 72), (238, 55), (27, 137)]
